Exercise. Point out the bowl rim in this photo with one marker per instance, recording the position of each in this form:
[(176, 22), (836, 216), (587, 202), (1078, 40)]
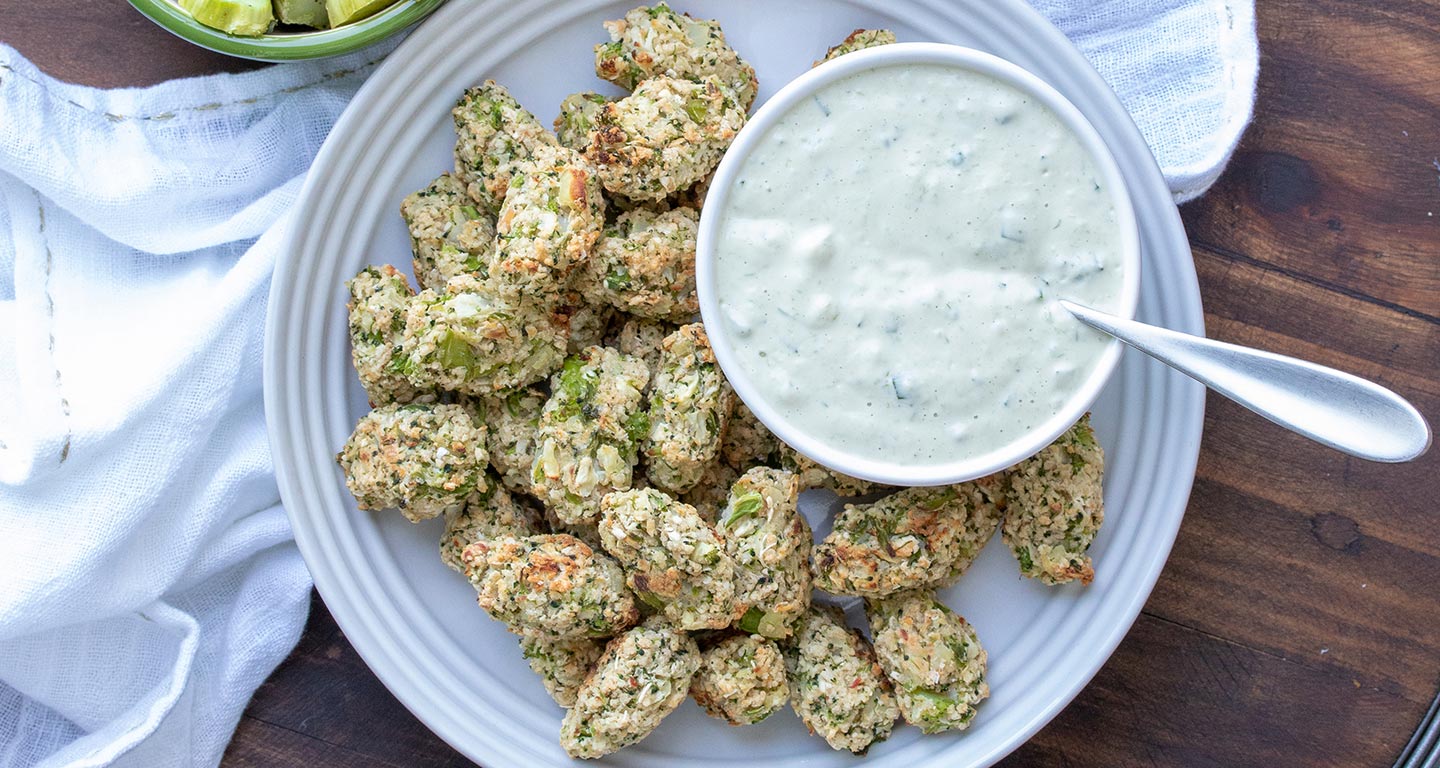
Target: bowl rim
[(296, 46), (754, 133)]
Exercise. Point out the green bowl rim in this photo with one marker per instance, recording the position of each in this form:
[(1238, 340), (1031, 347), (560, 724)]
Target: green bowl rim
[(290, 47)]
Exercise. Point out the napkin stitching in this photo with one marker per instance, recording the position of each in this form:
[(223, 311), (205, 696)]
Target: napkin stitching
[(325, 77), (50, 323)]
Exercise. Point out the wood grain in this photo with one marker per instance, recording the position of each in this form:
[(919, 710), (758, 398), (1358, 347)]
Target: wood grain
[(1298, 620), (1174, 696), (326, 693), (1337, 181), (104, 43)]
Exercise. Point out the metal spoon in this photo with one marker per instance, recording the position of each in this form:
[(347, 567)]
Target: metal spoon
[(1331, 407)]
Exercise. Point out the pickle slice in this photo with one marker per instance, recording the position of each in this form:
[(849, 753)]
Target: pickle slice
[(346, 11), (246, 18), (307, 13)]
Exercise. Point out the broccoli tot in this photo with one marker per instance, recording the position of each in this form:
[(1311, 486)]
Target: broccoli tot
[(422, 459), (589, 434), (512, 418), (741, 680), (813, 474), (495, 136), (645, 265), (587, 531), (643, 676), (709, 496), (664, 137), (641, 338), (933, 658), (470, 341), (859, 40), (576, 124), (379, 298), (694, 196), (672, 558), (917, 537), (588, 321), (1055, 507), (769, 541), (448, 234), (748, 442), (655, 41), (562, 665), (836, 686), (485, 515), (689, 405), (549, 585), (549, 221)]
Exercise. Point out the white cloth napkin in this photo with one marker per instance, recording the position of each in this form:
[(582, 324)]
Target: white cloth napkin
[(150, 582), (1185, 70)]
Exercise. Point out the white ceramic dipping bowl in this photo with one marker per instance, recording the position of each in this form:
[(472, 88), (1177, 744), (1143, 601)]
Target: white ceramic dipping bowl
[(755, 133)]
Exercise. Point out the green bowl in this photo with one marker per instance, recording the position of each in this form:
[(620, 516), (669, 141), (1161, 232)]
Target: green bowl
[(289, 46)]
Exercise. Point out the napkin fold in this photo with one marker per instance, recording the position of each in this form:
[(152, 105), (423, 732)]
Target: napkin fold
[(150, 579)]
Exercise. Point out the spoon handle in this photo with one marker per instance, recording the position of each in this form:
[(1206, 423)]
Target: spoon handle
[(1335, 408)]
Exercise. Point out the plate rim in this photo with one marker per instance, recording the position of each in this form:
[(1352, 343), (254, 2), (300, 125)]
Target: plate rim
[(381, 659)]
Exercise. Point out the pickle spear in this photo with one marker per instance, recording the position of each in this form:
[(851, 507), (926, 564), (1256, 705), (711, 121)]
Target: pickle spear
[(346, 11), (308, 13), (246, 18)]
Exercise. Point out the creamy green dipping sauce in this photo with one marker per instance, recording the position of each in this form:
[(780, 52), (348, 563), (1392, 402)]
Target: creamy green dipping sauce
[(891, 256)]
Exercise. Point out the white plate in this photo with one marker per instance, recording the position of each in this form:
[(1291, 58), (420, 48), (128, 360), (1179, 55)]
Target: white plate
[(415, 622)]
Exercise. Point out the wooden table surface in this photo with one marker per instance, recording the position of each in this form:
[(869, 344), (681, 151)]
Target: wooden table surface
[(1298, 620)]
